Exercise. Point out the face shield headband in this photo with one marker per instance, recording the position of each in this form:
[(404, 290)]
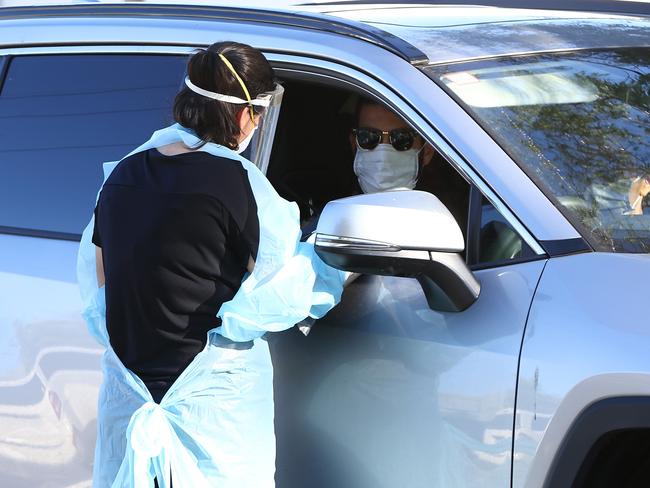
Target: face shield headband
[(263, 100)]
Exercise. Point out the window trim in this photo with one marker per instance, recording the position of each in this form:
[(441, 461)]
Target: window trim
[(472, 247), (98, 49), (45, 234)]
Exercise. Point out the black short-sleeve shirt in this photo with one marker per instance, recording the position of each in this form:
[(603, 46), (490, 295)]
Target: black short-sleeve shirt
[(176, 234)]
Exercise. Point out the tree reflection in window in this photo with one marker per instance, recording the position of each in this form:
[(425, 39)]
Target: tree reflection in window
[(585, 142)]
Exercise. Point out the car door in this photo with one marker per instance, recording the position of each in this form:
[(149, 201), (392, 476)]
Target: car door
[(386, 392), (63, 112)]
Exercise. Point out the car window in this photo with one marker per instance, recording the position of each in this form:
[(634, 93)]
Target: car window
[(313, 164), (578, 124), (61, 116), (496, 240)]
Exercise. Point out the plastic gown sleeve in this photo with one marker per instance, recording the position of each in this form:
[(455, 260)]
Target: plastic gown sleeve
[(214, 426)]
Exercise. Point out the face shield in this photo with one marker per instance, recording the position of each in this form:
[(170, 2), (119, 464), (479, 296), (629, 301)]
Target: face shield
[(259, 150), (267, 105)]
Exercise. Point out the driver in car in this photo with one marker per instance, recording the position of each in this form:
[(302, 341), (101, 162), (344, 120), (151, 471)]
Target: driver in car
[(390, 155)]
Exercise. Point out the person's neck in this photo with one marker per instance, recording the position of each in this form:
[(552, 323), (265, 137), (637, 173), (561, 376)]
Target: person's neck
[(174, 149)]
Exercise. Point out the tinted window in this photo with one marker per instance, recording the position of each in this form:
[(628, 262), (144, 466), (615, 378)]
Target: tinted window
[(497, 240), (61, 116)]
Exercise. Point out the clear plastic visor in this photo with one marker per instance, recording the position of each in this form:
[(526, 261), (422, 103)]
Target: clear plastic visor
[(259, 150)]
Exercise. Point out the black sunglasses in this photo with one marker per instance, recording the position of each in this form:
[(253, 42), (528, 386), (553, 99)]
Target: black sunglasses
[(400, 139)]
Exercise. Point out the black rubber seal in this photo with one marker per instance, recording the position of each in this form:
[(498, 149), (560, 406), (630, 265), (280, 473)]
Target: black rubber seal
[(46, 234), (563, 247)]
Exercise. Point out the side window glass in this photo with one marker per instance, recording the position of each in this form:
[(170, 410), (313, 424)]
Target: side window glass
[(64, 115), (496, 241)]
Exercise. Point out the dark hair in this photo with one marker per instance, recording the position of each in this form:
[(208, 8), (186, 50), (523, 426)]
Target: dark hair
[(361, 103), (213, 120)]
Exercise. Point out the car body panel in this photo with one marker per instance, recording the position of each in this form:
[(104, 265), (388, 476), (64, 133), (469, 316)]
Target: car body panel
[(49, 373), (587, 339), (387, 392)]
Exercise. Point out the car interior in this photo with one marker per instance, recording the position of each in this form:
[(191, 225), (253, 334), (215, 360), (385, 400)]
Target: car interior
[(311, 161)]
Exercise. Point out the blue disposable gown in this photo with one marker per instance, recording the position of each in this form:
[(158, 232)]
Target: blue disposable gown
[(214, 427)]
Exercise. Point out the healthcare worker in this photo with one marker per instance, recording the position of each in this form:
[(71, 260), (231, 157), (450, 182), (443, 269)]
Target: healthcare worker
[(195, 258)]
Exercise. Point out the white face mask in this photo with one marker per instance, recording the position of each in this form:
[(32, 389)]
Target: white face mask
[(247, 140), (385, 168)]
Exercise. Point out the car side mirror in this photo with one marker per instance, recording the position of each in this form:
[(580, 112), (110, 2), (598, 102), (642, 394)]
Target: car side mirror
[(399, 233)]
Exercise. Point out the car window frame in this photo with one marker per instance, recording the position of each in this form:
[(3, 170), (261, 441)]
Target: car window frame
[(473, 245), (347, 78)]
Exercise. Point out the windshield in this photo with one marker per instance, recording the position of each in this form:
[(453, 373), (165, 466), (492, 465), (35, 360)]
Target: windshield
[(579, 125)]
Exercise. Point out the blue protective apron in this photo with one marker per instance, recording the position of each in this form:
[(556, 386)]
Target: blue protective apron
[(214, 427)]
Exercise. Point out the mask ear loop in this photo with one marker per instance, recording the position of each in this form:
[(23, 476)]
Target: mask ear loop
[(241, 82)]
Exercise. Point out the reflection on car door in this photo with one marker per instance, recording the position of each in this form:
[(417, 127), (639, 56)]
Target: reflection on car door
[(385, 392)]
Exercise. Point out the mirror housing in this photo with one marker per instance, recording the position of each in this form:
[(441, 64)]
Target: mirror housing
[(406, 233)]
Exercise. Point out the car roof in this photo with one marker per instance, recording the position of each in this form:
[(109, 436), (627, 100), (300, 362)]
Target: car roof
[(420, 33), (453, 33)]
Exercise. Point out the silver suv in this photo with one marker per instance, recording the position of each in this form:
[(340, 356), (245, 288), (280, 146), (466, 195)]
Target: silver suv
[(516, 356)]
